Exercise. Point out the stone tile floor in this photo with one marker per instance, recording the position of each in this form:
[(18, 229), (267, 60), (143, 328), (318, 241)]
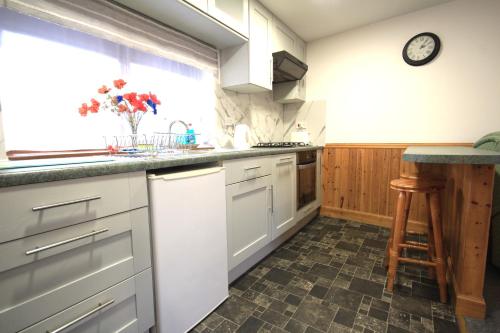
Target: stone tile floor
[(330, 277)]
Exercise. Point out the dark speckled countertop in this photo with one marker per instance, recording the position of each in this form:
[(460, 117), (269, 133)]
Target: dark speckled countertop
[(450, 155), (42, 174)]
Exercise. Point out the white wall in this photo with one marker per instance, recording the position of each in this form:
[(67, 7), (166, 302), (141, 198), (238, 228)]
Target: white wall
[(374, 96)]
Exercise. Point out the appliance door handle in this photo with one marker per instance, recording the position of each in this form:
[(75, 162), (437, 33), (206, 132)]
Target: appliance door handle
[(187, 174), (66, 241), (98, 308), (65, 203), (252, 168), (306, 166), (272, 199)]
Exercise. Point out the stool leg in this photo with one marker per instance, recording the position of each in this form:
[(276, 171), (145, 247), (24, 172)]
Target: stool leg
[(389, 242), (394, 249), (438, 244), (430, 236), (405, 220)]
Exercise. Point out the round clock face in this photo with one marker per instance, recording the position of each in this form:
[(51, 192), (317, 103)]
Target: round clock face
[(421, 49)]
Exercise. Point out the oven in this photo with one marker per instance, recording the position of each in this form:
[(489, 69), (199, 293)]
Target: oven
[(306, 178)]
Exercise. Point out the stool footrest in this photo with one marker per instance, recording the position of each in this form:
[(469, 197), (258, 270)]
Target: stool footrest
[(414, 247), (417, 261)]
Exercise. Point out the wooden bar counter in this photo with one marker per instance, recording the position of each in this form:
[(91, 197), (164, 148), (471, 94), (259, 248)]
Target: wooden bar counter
[(466, 210)]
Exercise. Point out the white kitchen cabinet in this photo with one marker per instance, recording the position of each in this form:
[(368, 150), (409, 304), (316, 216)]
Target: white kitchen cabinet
[(284, 193), (233, 13), (248, 68), (248, 207), (284, 39), (194, 19), (200, 4), (64, 242), (290, 92)]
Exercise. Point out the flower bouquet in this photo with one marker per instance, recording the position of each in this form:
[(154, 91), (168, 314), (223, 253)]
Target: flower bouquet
[(130, 106)]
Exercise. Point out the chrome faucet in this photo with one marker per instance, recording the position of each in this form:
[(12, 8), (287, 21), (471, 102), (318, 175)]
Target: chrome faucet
[(177, 121)]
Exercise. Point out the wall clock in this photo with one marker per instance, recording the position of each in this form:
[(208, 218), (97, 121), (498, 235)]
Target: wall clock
[(421, 49)]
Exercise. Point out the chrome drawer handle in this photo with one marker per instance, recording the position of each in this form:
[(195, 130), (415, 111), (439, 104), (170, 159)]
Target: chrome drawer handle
[(65, 203), (253, 168), (285, 158), (46, 247), (83, 316)]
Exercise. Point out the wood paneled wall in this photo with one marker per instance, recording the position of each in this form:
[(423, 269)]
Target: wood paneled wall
[(355, 182)]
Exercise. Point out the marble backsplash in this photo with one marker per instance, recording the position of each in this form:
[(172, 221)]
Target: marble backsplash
[(312, 114), (263, 116)]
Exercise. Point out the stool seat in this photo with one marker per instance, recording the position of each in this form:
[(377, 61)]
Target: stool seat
[(417, 185)]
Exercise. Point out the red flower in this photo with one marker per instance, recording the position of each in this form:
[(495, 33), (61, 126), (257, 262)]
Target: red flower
[(94, 108), (144, 97), (119, 83), (122, 108), (154, 99), (103, 89), (83, 109), (131, 97)]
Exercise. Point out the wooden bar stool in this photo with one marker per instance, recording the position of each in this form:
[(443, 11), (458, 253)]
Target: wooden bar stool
[(434, 247)]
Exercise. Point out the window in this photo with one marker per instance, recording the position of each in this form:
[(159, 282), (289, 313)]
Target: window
[(47, 71)]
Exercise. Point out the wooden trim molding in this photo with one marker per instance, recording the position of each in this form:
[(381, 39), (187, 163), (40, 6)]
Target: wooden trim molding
[(369, 218), (395, 145)]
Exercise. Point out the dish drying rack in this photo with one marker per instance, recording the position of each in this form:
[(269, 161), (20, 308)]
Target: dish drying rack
[(151, 144)]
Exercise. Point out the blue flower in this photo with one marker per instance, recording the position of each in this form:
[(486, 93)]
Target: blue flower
[(119, 98), (152, 105)]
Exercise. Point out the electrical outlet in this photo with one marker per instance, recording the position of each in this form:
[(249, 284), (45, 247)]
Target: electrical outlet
[(301, 124)]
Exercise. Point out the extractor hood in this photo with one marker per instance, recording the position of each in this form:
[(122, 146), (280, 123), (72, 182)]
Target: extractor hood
[(287, 68)]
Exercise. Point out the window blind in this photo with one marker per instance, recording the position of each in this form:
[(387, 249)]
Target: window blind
[(112, 22)]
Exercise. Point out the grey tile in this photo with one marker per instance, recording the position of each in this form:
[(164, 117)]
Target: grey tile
[(345, 317), (347, 246), (318, 291), (378, 314), (367, 287), (236, 309), (226, 327), (314, 314), (294, 326), (292, 299), (251, 325), (274, 318), (375, 243), (444, 326), (414, 305), (244, 282), (279, 276), (325, 271), (345, 298)]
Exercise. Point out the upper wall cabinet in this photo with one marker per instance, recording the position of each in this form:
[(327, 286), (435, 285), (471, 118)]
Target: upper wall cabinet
[(285, 39), (248, 68), (233, 13), (221, 23)]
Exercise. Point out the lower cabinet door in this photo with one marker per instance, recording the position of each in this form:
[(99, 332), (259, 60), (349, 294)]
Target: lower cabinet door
[(284, 194), (125, 307), (248, 218)]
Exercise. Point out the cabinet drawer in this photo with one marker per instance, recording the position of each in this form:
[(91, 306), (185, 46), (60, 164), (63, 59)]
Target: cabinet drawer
[(72, 264), (31, 209), (125, 307), (246, 168)]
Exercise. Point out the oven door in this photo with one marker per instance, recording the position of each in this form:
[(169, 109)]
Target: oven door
[(306, 184)]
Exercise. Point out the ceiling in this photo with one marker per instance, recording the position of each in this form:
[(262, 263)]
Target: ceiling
[(313, 19)]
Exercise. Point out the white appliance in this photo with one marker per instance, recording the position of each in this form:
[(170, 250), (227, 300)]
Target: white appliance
[(188, 218)]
